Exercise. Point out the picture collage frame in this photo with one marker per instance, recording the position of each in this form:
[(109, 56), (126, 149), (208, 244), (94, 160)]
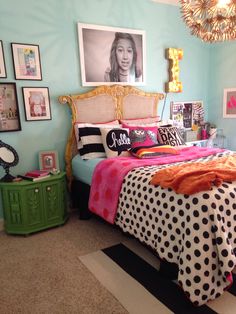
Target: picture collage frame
[(185, 114), (27, 66), (9, 109)]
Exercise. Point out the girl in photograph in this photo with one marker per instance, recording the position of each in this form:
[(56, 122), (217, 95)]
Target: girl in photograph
[(123, 60)]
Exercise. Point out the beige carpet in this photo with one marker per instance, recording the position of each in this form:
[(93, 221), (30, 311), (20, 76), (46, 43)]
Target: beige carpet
[(42, 273)]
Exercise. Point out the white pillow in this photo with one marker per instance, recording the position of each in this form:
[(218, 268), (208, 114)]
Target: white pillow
[(116, 142)]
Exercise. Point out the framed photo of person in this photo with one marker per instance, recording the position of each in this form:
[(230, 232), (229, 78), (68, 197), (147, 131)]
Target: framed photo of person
[(111, 55), (229, 103), (3, 72), (9, 110), (26, 59), (37, 103), (48, 160)]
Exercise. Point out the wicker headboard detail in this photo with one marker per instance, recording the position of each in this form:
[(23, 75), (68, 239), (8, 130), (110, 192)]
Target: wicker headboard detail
[(107, 103)]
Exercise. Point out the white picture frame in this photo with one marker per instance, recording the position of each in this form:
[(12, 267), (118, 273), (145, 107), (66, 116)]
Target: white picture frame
[(95, 43)]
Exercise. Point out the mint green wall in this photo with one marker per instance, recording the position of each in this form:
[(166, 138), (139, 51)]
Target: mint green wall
[(52, 25), (223, 75)]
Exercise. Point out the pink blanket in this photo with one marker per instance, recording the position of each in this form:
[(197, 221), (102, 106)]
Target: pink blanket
[(109, 174)]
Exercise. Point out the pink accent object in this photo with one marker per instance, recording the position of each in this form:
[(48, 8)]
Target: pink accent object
[(204, 134), (230, 280), (232, 102), (37, 173), (142, 135), (109, 174)]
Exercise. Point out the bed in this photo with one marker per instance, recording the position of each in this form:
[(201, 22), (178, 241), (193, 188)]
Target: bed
[(196, 232)]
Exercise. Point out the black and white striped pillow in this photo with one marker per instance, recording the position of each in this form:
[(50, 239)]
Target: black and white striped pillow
[(92, 146), (79, 125)]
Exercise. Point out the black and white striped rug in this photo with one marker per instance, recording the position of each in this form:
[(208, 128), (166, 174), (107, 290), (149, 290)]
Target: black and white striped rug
[(131, 273)]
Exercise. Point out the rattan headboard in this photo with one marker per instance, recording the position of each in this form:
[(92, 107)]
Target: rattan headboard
[(107, 103)]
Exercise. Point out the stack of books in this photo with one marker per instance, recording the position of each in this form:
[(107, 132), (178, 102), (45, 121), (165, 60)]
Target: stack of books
[(35, 175)]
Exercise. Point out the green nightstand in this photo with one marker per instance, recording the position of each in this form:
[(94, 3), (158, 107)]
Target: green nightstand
[(30, 206)]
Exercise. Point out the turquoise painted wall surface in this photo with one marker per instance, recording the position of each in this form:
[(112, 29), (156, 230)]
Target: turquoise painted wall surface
[(222, 76), (52, 24)]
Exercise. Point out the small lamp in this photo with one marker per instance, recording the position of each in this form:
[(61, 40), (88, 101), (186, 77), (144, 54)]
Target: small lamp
[(174, 85)]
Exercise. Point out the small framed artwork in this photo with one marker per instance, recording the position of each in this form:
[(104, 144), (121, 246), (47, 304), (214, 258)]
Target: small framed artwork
[(48, 160), (3, 72), (9, 110), (185, 114), (229, 103), (111, 55), (37, 103), (26, 59)]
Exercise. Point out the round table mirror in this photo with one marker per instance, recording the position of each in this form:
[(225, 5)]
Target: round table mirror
[(8, 158)]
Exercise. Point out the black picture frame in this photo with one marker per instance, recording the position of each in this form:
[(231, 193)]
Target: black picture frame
[(3, 71), (26, 60), (37, 103), (9, 109)]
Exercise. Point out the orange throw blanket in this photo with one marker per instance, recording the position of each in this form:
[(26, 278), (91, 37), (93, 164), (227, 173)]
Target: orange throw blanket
[(195, 177)]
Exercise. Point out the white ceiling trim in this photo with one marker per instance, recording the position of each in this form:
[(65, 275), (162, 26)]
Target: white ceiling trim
[(172, 2)]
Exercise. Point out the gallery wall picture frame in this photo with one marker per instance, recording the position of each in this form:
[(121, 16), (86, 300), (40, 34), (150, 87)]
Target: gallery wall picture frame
[(185, 114), (229, 103), (48, 160), (26, 60), (104, 50), (9, 109), (3, 72), (37, 103)]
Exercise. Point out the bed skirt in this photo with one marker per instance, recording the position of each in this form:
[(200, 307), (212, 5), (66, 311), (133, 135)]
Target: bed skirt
[(79, 197)]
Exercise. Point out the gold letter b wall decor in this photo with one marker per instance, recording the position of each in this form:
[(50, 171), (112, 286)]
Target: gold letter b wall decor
[(174, 85)]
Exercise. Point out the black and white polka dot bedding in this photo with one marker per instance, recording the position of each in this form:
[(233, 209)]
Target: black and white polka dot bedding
[(197, 232)]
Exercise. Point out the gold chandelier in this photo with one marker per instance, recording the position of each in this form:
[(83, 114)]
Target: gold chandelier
[(210, 20)]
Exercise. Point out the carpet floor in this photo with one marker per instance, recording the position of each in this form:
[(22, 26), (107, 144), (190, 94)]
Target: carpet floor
[(42, 273), (89, 267)]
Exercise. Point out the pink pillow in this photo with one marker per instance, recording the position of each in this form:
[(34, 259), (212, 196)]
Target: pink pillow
[(142, 136)]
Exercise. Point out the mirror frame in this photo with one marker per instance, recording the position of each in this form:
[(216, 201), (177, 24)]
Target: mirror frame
[(6, 165)]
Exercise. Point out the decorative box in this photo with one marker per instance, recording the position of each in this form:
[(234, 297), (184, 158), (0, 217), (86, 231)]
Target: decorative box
[(190, 136)]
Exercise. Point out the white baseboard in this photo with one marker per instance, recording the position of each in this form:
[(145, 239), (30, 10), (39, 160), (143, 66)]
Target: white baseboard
[(1, 224)]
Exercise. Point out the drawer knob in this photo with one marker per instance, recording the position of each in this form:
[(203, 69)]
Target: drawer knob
[(48, 188), (36, 190)]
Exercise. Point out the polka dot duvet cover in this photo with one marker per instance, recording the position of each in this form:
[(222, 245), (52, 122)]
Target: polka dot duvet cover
[(197, 232)]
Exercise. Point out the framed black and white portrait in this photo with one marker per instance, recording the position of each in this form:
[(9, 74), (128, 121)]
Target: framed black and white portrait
[(110, 55)]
